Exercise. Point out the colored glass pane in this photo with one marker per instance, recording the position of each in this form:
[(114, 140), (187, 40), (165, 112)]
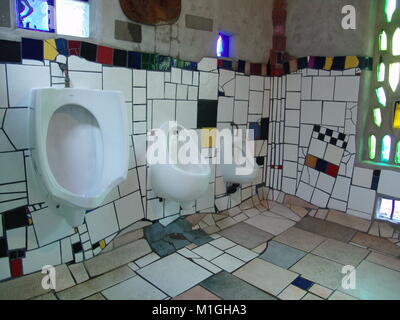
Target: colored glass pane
[(396, 120), (73, 18), (396, 43), (397, 156), (35, 15), (377, 117), (394, 73), (372, 147), (386, 148), (383, 41), (381, 96), (381, 71), (390, 8), (385, 209)]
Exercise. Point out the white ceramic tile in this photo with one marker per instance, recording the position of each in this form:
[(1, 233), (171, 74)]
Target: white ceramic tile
[(293, 82), (171, 207), (323, 88), (228, 262), (317, 148), (76, 63), (292, 118), (174, 274), (290, 169), (134, 288), (334, 154), (347, 88), (341, 189), (242, 253), (291, 153), (102, 223), (21, 79), (388, 183), (334, 113), (325, 183), (188, 253), (207, 265), (5, 144), (222, 243), (129, 209), (16, 238), (139, 113), (292, 293), (256, 102), (306, 85), (176, 75), (119, 79), (166, 221), (16, 127), (155, 85), (289, 185), (139, 96), (50, 227), (362, 177), (208, 89), (337, 205), (311, 112), (182, 92), (208, 252), (305, 135), (155, 210), (170, 91), (66, 251), (257, 83), (35, 260), (304, 191), (187, 77), (3, 86), (241, 112), (242, 88), (292, 135), (4, 268), (146, 260), (361, 199), (139, 78), (320, 198), (186, 114), (163, 111), (193, 93), (207, 200), (293, 100), (85, 80), (225, 109), (207, 64)]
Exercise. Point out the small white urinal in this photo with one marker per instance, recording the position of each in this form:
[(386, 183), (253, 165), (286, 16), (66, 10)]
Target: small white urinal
[(179, 182), (79, 143)]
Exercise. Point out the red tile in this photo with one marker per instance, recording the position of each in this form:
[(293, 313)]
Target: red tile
[(280, 167), (104, 55), (74, 47), (332, 170), (16, 268), (278, 16), (255, 69), (220, 62), (279, 43)]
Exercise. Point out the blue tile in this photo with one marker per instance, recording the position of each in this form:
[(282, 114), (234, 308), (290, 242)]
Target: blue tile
[(32, 49), (134, 60), (303, 283), (62, 47)]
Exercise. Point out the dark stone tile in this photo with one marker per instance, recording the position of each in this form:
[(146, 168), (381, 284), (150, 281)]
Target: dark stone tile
[(326, 229), (120, 58), (177, 243), (199, 23), (5, 13), (282, 255), (246, 235), (3, 248), (198, 237), (229, 287), (162, 248), (178, 226), (127, 31), (154, 233), (207, 114), (10, 51), (89, 51), (16, 218)]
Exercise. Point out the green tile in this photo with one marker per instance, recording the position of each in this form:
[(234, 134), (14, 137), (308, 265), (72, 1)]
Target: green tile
[(229, 287), (282, 255)]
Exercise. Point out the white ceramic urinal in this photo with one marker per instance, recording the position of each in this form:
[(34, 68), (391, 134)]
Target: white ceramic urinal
[(79, 142), (179, 182)]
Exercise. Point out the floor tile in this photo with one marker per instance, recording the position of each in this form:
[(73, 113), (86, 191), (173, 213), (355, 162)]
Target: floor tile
[(326, 229), (340, 296), (271, 223), (134, 289), (144, 261), (343, 253), (227, 262), (376, 243), (310, 296), (188, 253), (375, 282), (174, 274), (46, 297), (222, 243), (118, 257), (300, 239), (79, 272), (348, 220), (226, 223), (320, 270), (320, 291), (64, 279), (386, 261), (229, 287), (292, 293), (246, 235), (242, 253), (96, 285), (207, 265), (282, 255), (266, 276), (261, 248), (197, 293), (285, 212), (208, 252), (96, 297)]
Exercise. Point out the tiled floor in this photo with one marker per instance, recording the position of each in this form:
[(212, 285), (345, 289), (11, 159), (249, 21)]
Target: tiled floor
[(270, 254)]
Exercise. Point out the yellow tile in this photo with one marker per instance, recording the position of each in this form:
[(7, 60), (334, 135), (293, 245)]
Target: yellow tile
[(30, 221), (351, 62), (50, 49), (328, 63), (102, 244), (208, 138), (396, 121)]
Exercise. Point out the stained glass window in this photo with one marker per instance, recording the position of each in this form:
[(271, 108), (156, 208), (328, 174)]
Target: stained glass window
[(396, 43), (381, 71), (390, 7), (397, 156), (377, 117), (388, 209), (72, 16), (383, 41), (386, 148), (381, 95), (223, 45), (394, 73), (396, 120), (372, 147)]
